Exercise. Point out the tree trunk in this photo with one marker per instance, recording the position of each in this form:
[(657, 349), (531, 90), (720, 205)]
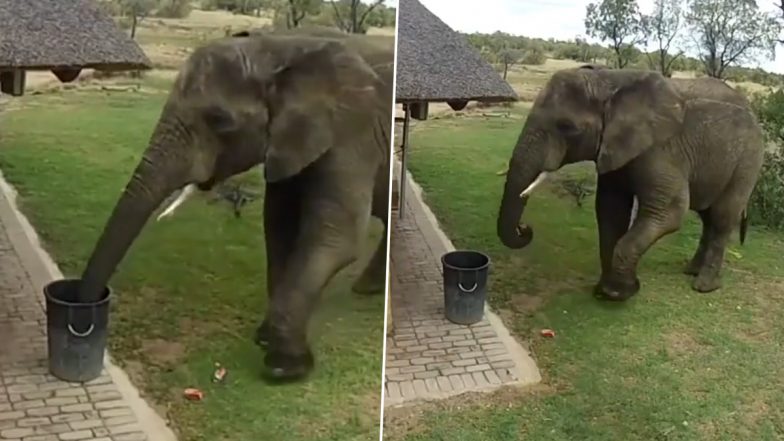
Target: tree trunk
[(133, 26)]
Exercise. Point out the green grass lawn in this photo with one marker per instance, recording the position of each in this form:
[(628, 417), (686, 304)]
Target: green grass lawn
[(192, 289), (670, 364)]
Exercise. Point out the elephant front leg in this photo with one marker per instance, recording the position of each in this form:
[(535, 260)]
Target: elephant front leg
[(652, 224), (310, 269), (613, 214), (281, 226), (334, 218)]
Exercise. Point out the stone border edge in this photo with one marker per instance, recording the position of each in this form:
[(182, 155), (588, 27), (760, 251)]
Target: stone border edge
[(41, 269)]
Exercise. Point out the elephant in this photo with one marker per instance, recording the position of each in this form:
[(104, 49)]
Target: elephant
[(315, 109), (672, 145)]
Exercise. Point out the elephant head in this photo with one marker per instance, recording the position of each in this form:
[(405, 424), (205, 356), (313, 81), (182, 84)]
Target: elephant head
[(587, 114), (283, 101)]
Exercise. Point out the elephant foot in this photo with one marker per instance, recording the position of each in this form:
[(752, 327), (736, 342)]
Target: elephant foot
[(617, 289), (368, 285), (692, 268), (706, 284), (284, 367), (262, 334)]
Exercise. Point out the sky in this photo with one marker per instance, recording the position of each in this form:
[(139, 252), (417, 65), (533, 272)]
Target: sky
[(559, 19)]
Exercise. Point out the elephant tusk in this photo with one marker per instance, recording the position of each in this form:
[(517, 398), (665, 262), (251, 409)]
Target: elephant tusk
[(539, 179), (186, 192)]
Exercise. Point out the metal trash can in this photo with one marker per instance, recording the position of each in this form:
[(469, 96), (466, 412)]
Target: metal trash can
[(76, 332), (465, 285)]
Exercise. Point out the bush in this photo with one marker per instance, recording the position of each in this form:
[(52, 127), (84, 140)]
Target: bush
[(174, 9), (534, 56), (767, 200), (766, 206)]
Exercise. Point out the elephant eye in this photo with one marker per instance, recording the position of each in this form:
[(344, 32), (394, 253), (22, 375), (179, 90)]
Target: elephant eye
[(219, 119), (567, 127)]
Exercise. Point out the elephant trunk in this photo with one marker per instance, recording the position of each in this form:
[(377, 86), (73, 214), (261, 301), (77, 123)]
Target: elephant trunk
[(158, 175), (525, 172)]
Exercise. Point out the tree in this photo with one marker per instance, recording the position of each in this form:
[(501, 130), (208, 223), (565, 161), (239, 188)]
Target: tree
[(731, 32), (174, 9), (354, 14), (662, 27), (290, 13), (138, 10), (299, 9), (509, 57), (618, 21)]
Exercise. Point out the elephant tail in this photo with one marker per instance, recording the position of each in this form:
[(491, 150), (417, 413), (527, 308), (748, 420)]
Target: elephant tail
[(744, 222)]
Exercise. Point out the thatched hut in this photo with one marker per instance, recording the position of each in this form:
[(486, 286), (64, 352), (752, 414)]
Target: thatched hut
[(436, 64), (62, 36)]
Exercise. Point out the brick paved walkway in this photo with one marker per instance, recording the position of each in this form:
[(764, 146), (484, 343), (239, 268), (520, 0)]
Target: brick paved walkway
[(429, 357), (34, 405)]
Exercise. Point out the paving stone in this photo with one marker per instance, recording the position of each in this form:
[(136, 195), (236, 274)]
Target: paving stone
[(29, 404), (407, 389), (76, 435), (393, 390), (81, 407), (444, 384), (130, 437), (33, 422), (492, 377), (477, 368), (86, 424)]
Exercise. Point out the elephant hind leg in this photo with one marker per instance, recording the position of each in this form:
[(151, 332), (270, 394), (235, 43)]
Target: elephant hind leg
[(724, 216), (373, 278), (698, 260)]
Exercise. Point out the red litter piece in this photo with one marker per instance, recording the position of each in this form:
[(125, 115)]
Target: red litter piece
[(549, 333), (194, 394)]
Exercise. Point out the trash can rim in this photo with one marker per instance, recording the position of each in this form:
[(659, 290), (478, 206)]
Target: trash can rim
[(485, 256), (50, 298)]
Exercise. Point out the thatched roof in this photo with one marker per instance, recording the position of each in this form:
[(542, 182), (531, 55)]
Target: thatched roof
[(64, 34), (434, 63)]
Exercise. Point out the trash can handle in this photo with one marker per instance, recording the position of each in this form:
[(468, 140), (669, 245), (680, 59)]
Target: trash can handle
[(81, 334), (473, 288)]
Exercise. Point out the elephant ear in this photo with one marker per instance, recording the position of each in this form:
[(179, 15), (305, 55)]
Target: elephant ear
[(641, 114), (322, 97)]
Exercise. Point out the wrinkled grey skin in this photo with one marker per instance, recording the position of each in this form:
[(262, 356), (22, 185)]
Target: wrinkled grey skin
[(673, 144), (315, 107)]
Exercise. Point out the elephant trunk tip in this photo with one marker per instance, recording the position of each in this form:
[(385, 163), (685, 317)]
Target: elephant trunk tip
[(522, 237)]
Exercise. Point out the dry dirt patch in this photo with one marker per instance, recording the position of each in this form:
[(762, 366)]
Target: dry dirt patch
[(399, 422)]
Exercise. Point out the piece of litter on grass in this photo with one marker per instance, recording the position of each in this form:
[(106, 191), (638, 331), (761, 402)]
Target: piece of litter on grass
[(220, 374), (549, 333), (194, 394)]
